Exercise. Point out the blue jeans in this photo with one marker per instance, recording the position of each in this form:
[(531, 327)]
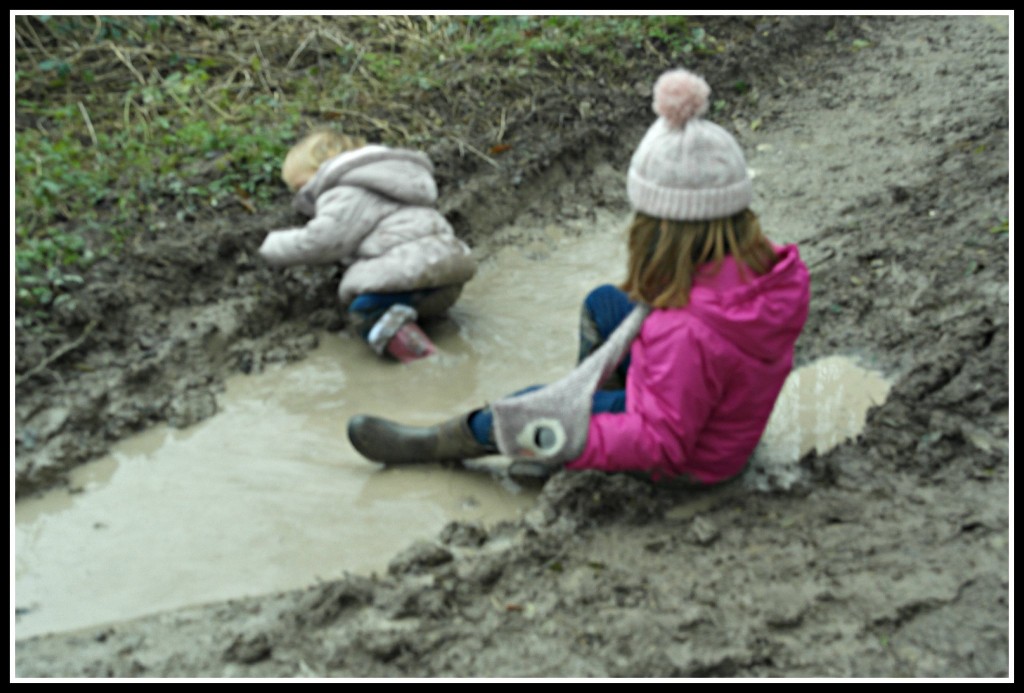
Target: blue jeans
[(603, 310), (367, 309)]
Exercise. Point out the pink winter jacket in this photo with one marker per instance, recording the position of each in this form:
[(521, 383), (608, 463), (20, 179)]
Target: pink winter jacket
[(703, 379), (373, 211)]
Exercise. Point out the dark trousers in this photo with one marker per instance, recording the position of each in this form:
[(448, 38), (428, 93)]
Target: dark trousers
[(603, 310), (366, 309)]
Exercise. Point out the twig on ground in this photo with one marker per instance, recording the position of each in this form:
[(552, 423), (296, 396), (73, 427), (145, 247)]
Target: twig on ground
[(501, 126), (298, 51), (127, 62), (466, 145), (88, 124), (70, 346), (263, 72)]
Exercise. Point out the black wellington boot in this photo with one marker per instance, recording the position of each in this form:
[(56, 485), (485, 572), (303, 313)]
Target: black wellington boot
[(393, 443)]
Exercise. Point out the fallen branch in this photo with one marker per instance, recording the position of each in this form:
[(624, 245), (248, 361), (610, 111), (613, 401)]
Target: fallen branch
[(70, 346), (298, 51), (88, 124), (466, 145), (126, 60)]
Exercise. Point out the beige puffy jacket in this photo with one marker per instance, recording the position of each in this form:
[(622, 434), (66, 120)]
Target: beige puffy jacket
[(373, 211)]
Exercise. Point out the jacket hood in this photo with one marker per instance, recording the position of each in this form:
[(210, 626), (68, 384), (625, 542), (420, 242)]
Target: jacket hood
[(403, 175), (762, 317)]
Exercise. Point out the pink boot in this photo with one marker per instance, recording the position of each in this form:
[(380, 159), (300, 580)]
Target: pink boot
[(397, 333), (410, 343)]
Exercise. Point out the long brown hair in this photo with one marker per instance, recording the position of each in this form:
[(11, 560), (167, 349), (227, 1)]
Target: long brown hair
[(664, 254)]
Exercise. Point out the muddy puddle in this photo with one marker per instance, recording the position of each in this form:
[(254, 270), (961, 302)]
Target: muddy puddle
[(268, 495), (823, 404)]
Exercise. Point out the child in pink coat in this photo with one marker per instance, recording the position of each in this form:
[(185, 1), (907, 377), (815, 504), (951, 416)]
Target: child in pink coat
[(710, 313)]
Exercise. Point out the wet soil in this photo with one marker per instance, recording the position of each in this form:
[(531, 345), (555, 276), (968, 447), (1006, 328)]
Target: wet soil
[(881, 146)]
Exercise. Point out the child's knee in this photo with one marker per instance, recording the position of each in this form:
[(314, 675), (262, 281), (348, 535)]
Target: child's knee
[(606, 300), (437, 301), (606, 307), (603, 293)]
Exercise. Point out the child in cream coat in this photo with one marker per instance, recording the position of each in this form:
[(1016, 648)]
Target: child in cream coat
[(373, 210)]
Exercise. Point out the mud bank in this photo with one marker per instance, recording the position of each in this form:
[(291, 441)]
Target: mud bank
[(881, 146)]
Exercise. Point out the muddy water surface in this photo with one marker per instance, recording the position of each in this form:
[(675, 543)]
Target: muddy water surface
[(268, 494), (822, 405)]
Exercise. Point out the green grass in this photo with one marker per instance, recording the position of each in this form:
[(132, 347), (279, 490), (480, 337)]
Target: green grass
[(76, 200), (131, 118), (1002, 227)]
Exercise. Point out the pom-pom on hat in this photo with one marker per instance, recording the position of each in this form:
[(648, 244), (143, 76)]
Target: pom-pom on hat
[(687, 168)]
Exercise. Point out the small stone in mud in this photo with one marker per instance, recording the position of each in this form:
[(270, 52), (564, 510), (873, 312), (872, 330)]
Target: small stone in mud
[(384, 645), (656, 545), (191, 407), (484, 572), (418, 558), (325, 603), (703, 659), (46, 424), (330, 319), (690, 615), (247, 362), (248, 649), (785, 613), (415, 602), (702, 531), (464, 534)]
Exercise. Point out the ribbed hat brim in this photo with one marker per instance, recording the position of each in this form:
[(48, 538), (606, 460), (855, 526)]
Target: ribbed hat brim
[(688, 205)]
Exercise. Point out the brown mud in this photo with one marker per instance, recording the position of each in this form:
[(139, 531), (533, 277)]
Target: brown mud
[(881, 146)]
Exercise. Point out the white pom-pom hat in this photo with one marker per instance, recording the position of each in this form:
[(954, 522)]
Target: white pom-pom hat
[(687, 168)]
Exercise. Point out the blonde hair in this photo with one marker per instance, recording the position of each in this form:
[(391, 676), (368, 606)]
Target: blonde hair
[(305, 158), (665, 254)]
